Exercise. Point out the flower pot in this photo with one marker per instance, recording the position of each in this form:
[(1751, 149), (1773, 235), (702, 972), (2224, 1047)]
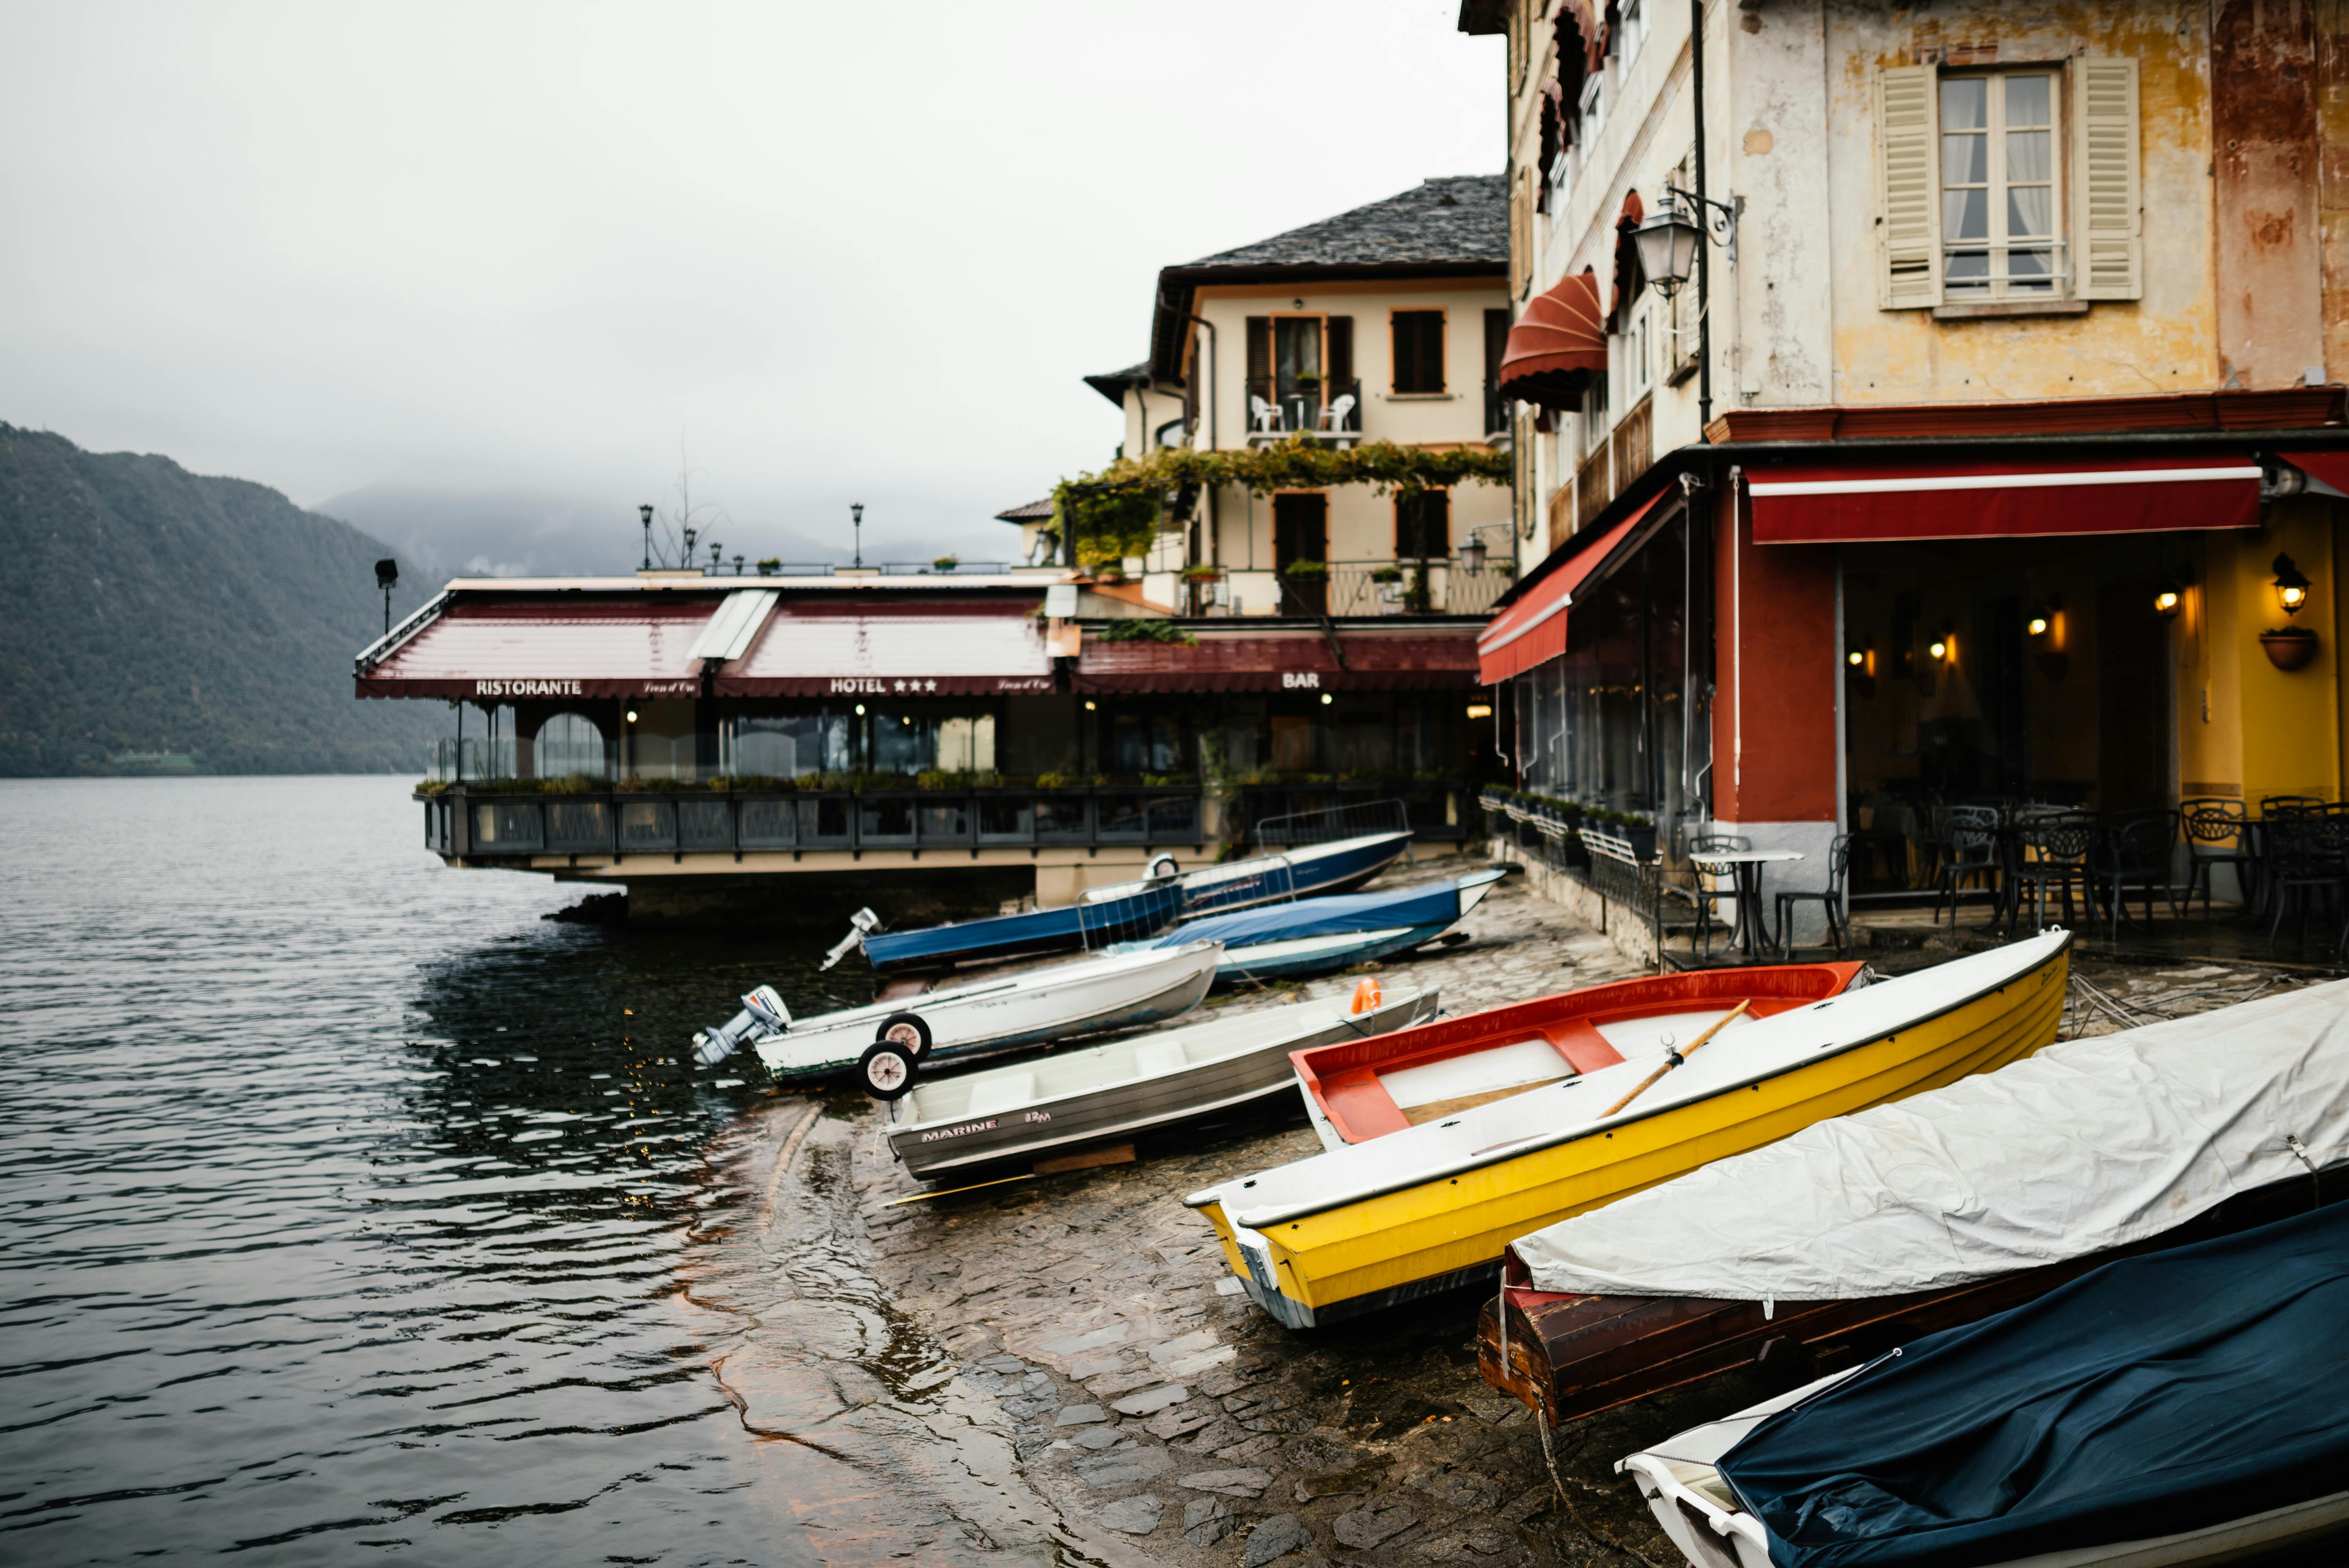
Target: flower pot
[(2288, 650)]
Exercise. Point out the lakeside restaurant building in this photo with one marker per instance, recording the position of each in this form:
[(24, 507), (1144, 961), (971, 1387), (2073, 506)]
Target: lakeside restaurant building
[(712, 742), (1995, 456)]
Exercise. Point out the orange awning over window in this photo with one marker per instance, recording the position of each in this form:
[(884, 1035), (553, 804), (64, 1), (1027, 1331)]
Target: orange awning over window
[(1557, 346)]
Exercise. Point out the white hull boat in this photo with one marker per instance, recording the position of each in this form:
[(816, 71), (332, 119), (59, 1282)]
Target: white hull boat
[(1099, 1094), (962, 1022)]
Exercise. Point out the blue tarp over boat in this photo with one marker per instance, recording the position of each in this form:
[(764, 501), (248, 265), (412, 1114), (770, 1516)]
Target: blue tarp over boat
[(2159, 1395), (1430, 904)]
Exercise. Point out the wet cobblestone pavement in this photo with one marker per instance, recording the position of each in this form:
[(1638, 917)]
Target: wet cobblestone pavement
[(1099, 1338)]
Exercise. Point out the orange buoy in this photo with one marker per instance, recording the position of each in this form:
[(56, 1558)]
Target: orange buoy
[(1366, 997)]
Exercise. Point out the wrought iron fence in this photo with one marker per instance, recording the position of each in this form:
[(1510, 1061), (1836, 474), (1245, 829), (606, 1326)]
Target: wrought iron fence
[(1439, 585), (466, 823)]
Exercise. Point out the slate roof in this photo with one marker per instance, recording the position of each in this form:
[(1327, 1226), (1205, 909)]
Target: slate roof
[(1034, 511), (1453, 226), (1113, 385)]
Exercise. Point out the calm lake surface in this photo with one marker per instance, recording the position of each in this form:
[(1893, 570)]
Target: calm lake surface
[(344, 1203)]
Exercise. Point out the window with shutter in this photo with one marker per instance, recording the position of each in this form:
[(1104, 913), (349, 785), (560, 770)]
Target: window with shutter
[(1340, 355), (1418, 350), (2109, 236), (1909, 273)]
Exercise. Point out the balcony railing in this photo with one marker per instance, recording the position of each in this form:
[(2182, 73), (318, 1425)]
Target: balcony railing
[(487, 823), (1438, 586), (1328, 411)]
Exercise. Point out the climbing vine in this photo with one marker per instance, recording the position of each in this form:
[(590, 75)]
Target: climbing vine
[(1112, 514)]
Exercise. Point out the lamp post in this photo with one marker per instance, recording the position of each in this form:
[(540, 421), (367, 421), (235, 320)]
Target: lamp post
[(386, 577), (645, 512), (856, 516)]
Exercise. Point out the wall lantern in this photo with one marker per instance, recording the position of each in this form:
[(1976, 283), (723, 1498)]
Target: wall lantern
[(1668, 243), (1939, 647), (2167, 600), (2038, 624), (1854, 659), (1472, 553), (2292, 585), (632, 715)]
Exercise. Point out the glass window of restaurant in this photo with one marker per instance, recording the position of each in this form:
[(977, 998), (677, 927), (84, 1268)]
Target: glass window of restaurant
[(1621, 721)]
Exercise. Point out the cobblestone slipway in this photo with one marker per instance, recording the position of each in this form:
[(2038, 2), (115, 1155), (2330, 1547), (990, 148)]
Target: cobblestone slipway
[(1090, 1320)]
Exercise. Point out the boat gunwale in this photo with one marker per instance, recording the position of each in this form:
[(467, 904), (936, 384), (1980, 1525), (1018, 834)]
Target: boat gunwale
[(1410, 998), (1536, 1142), (1310, 1080)]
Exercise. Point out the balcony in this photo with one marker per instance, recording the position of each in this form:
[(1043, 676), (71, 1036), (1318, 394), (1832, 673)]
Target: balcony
[(488, 823), (1325, 411), (1438, 586)]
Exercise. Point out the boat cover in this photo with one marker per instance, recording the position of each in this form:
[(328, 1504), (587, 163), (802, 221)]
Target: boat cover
[(1431, 904), (2157, 1394), (2089, 1144)]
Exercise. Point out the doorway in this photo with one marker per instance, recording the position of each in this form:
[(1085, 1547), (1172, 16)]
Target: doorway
[(1301, 553)]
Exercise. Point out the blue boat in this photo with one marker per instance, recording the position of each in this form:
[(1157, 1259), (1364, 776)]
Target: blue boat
[(1129, 912), (1321, 934)]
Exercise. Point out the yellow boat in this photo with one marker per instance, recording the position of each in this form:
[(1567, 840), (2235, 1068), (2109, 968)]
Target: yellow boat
[(1431, 1207)]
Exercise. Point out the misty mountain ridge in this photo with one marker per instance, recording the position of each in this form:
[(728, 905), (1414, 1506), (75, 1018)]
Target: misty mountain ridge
[(156, 619)]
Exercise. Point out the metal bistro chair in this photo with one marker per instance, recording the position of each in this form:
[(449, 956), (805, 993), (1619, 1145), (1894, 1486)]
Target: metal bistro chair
[(1831, 897), (1696, 892), (2217, 833), (2305, 859), (1969, 848), (2052, 850), (2135, 854)]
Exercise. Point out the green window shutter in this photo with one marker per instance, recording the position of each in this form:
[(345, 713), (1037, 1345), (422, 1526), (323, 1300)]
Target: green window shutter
[(2107, 243), (1907, 187)]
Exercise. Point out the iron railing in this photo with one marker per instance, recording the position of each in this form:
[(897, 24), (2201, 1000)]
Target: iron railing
[(1430, 810), (486, 823), (1349, 820), (1439, 585)]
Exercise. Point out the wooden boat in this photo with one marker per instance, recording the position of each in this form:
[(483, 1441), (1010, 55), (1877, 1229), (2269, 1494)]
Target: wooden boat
[(1130, 911), (1317, 936), (1356, 1091), (2184, 1407), (1055, 1105), (1862, 1231), (1053, 1002), (1430, 1208)]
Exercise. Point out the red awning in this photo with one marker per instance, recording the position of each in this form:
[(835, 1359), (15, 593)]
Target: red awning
[(1832, 504), (1281, 661), (497, 652), (905, 648), (2327, 468), (1533, 630), (1557, 346)]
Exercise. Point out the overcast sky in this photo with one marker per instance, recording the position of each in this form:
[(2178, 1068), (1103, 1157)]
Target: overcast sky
[(846, 253)]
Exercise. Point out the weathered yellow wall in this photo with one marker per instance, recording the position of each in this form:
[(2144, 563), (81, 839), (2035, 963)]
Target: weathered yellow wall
[(2164, 342), (2268, 731)]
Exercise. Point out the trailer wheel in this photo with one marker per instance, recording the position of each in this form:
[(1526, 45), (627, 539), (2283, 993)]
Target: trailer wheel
[(886, 1071), (907, 1031)]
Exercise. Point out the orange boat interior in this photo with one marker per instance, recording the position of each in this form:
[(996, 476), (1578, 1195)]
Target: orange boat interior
[(1356, 1082)]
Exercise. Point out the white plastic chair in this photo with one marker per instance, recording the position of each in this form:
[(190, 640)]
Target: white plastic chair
[(1333, 417), (1262, 416)]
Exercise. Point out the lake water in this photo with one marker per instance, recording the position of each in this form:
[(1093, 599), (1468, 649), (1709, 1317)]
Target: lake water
[(347, 1205)]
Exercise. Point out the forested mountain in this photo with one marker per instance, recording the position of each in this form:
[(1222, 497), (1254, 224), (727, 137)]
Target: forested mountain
[(147, 610)]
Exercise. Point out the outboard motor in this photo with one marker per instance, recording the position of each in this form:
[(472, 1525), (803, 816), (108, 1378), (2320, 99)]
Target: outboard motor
[(763, 1015), (863, 920), (1162, 866)]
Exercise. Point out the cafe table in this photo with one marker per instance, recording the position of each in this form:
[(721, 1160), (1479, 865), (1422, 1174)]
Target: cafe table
[(1745, 867)]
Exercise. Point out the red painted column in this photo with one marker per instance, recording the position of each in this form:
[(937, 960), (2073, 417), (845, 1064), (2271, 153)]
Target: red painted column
[(1776, 667)]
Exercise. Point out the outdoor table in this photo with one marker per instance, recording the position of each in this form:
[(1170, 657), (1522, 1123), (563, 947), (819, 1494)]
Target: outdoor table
[(1745, 866)]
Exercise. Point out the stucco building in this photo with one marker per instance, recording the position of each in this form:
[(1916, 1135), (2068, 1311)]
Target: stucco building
[(1970, 464)]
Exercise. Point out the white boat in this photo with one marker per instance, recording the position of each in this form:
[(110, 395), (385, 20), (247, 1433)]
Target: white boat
[(885, 1039), (1099, 1094), (1686, 1492)]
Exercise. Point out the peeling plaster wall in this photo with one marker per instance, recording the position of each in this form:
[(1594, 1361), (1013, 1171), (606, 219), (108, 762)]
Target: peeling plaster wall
[(2264, 131), (1778, 139), (2165, 341)]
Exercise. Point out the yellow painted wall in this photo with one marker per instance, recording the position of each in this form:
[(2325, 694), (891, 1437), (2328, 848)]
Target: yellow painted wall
[(2243, 724)]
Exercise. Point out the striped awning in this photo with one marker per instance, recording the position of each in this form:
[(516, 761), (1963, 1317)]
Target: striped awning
[(1557, 346)]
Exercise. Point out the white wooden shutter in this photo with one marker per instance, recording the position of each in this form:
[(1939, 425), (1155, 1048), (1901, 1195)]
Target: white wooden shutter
[(1908, 187), (2108, 247)]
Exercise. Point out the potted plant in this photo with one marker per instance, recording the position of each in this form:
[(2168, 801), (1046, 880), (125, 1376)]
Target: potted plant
[(946, 563), (2288, 647), (1387, 574), (1204, 573), (1305, 568)]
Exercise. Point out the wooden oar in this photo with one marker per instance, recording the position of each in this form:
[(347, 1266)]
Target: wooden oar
[(1674, 1058)]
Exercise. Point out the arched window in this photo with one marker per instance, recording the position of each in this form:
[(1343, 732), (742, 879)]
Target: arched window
[(568, 744)]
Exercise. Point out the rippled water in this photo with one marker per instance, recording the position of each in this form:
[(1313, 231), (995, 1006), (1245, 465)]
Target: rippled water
[(345, 1205)]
